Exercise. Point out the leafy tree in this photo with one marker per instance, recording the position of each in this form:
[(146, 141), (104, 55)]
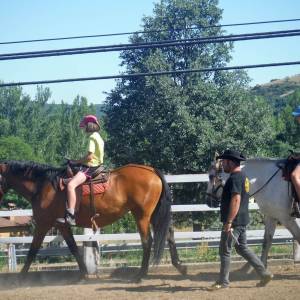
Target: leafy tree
[(177, 122), (14, 148), (51, 130), (72, 141), (25, 118), (287, 128)]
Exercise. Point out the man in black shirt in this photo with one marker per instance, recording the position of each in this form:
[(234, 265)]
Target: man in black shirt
[(235, 218)]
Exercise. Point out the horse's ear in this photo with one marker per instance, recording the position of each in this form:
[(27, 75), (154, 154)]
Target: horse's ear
[(216, 155)]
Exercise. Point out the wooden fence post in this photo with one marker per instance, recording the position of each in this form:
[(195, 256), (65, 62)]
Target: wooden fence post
[(296, 250), (12, 258), (91, 254)]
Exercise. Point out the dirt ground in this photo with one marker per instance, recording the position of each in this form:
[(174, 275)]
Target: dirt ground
[(161, 283)]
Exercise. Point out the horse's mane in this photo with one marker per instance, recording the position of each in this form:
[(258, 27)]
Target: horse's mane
[(32, 170)]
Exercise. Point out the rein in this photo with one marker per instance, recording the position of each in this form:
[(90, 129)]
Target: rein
[(266, 183), (212, 194)]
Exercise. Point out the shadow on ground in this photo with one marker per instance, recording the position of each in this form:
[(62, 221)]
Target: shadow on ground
[(126, 275)]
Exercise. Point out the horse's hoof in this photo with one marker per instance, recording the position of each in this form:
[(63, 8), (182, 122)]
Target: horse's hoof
[(182, 269), (91, 276), (137, 279), (82, 280), (22, 277)]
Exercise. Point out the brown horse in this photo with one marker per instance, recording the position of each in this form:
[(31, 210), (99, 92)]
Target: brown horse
[(136, 188)]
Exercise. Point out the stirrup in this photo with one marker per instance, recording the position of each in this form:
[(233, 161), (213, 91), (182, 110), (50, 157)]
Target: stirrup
[(295, 214), (94, 224)]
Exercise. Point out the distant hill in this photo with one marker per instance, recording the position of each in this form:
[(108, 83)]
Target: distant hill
[(277, 90)]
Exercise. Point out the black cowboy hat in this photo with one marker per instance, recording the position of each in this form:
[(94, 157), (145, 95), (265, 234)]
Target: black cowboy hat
[(232, 154)]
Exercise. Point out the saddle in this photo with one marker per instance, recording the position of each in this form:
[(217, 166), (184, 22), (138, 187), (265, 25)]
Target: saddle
[(288, 166), (97, 184)]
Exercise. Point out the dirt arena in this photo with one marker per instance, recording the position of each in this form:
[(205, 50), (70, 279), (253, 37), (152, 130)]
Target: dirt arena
[(161, 283)]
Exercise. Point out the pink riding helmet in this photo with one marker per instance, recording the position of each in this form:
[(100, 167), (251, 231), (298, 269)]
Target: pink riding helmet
[(87, 119)]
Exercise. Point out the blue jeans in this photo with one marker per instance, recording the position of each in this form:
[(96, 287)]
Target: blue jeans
[(241, 247)]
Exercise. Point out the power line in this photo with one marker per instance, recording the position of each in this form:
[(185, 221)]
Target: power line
[(159, 73), (142, 32), (149, 45)]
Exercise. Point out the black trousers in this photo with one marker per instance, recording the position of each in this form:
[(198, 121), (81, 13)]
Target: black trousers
[(240, 243)]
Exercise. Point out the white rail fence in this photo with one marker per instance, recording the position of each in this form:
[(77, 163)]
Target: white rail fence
[(281, 235)]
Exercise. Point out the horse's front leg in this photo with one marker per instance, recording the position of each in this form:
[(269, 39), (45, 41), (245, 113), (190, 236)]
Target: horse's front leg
[(67, 234), (38, 237), (173, 252), (270, 226)]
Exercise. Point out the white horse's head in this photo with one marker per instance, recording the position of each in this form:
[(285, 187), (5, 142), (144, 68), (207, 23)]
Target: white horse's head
[(217, 178)]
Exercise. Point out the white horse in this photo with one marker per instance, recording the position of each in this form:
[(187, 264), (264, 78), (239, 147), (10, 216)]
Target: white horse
[(271, 192)]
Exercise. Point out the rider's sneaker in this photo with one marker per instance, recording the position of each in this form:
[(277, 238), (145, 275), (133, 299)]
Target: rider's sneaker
[(265, 280), (70, 219)]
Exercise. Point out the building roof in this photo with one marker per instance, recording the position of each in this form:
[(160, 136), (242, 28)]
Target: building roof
[(17, 222)]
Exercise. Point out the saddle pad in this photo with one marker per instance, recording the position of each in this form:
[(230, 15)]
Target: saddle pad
[(98, 188)]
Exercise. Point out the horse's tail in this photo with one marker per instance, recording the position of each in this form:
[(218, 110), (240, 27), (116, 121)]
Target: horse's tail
[(161, 219)]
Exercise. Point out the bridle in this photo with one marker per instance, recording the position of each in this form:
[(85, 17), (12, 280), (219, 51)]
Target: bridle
[(217, 189)]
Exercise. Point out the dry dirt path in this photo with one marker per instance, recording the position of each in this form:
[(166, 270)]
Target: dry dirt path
[(162, 284)]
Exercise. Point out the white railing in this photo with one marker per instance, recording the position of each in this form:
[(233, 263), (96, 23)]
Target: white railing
[(206, 236)]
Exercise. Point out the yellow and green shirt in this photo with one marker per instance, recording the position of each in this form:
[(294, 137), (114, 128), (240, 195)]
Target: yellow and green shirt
[(96, 146)]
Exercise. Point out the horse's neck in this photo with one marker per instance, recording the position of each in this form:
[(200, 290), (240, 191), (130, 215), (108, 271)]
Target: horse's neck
[(25, 188)]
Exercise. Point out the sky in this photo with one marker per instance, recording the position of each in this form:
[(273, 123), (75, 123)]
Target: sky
[(35, 19)]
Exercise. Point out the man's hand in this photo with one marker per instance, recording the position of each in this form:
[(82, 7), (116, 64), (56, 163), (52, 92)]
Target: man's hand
[(227, 227)]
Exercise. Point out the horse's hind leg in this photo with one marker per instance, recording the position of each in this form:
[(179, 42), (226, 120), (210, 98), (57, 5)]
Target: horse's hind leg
[(67, 234), (38, 237), (146, 239), (293, 225), (173, 252)]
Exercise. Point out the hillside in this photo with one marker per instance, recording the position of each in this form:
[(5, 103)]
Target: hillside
[(277, 90)]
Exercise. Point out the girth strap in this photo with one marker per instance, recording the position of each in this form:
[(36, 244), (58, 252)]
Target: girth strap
[(92, 207)]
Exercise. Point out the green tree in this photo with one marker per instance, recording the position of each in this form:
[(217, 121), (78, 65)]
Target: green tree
[(176, 122), (287, 128), (14, 148), (72, 140), (26, 118)]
